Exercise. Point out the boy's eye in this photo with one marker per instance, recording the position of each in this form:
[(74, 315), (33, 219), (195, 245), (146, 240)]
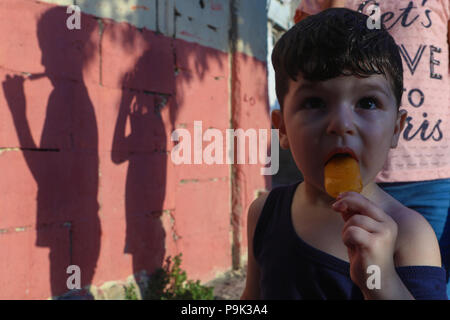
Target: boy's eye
[(313, 103), (367, 103)]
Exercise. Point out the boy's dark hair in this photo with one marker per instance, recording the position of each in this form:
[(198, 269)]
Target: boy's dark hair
[(336, 42)]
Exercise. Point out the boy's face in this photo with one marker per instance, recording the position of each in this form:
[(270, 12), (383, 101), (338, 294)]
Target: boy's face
[(346, 111)]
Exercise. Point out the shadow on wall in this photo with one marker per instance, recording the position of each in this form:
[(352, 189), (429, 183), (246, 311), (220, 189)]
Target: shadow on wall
[(65, 162), (145, 150), (151, 85), (154, 83)]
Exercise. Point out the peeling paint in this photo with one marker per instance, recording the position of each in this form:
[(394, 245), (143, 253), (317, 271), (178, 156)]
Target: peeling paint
[(15, 229), (175, 235), (216, 6), (218, 179), (134, 8), (190, 35), (101, 30), (184, 181), (8, 149), (212, 27)]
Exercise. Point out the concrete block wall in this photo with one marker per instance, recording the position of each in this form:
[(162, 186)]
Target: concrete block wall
[(86, 118)]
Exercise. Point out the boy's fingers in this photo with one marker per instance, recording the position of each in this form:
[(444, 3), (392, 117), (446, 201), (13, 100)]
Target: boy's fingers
[(351, 203), (356, 237), (363, 222)]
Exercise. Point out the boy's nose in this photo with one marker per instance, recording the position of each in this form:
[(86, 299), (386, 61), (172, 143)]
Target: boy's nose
[(341, 122)]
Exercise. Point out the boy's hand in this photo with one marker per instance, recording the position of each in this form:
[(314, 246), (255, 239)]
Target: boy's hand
[(370, 236)]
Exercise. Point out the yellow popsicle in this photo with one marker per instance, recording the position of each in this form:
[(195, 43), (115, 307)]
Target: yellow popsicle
[(341, 175)]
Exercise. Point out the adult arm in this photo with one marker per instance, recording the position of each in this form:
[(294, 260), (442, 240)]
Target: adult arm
[(308, 7)]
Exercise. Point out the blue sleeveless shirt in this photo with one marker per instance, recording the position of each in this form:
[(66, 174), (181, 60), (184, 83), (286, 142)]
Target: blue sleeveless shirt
[(292, 269)]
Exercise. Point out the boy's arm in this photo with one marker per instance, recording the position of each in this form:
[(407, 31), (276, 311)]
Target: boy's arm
[(417, 244), (324, 4), (337, 4), (251, 291), (120, 147), (374, 237)]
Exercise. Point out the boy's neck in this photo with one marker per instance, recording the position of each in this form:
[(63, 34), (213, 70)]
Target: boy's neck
[(310, 196)]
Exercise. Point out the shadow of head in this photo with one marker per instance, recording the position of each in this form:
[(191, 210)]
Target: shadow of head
[(66, 51)]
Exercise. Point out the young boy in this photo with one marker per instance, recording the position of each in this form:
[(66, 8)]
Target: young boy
[(340, 86)]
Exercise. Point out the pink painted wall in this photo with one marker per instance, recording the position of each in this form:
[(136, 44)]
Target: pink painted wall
[(86, 173)]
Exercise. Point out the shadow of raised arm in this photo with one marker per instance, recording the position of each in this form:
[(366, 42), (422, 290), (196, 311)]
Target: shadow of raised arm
[(13, 90), (120, 146)]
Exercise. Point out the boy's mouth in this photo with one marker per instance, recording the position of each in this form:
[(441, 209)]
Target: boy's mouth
[(341, 152)]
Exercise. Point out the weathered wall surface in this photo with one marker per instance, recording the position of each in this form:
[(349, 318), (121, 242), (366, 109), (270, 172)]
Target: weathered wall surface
[(86, 118), (280, 19)]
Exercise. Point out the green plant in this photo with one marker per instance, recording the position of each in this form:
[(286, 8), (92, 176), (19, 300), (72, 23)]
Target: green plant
[(170, 283), (130, 292)]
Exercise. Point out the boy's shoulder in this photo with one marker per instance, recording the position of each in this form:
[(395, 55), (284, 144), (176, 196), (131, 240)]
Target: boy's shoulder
[(256, 206), (258, 203), (416, 240)]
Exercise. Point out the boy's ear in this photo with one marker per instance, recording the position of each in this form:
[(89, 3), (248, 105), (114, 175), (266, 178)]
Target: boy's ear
[(278, 123), (399, 125)]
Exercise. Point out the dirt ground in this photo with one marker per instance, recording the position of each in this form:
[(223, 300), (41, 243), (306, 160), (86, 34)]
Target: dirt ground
[(230, 286)]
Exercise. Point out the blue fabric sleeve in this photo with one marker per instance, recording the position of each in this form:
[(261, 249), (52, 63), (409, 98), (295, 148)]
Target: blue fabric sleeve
[(424, 282)]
